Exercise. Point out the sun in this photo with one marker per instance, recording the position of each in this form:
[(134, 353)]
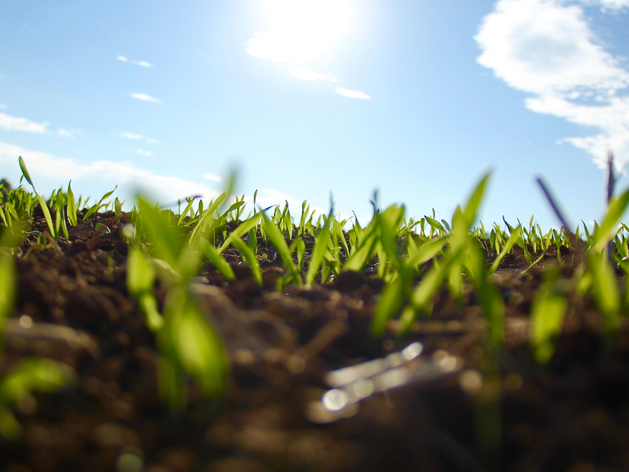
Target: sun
[(300, 30)]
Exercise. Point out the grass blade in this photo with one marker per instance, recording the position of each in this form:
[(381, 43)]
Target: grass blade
[(605, 232), (199, 348), (251, 258), (25, 173), (390, 303), (320, 248), (217, 260), (547, 315), (276, 238), (604, 289)]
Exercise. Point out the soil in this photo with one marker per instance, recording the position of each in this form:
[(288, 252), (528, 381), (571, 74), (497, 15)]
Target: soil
[(478, 409)]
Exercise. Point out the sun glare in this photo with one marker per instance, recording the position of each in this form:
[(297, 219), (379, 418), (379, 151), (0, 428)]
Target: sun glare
[(300, 30)]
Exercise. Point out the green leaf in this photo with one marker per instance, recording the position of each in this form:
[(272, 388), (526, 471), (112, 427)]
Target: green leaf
[(94, 208), (320, 248), (435, 224), (606, 231), (217, 260), (276, 238), (547, 315), (471, 209), (206, 222), (251, 258), (389, 223), (71, 207), (604, 289), (47, 216), (425, 252), (148, 304), (140, 281), (516, 236), (429, 284), (171, 377), (200, 350), (168, 239), (25, 173), (8, 280), (241, 230), (363, 250), (491, 300), (389, 304), (10, 428), (34, 374)]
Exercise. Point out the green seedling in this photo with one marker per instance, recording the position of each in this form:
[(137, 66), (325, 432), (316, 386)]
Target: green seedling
[(141, 276), (516, 236), (547, 315), (250, 257), (274, 234), (40, 199), (96, 207), (319, 250), (186, 341)]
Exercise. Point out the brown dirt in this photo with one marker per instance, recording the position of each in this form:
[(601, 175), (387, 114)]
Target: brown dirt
[(571, 415)]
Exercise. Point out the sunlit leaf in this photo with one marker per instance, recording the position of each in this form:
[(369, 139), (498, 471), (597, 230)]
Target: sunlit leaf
[(471, 208), (606, 231), (605, 290), (251, 258), (168, 239), (25, 173), (547, 315), (389, 222), (389, 304), (7, 289), (200, 349), (241, 230), (516, 236), (71, 207), (217, 260), (47, 216), (276, 238)]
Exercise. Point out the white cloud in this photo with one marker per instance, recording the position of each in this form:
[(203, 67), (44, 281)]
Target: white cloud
[(608, 4), (68, 133), (133, 61), (52, 171), (306, 74), (212, 177), (135, 136), (145, 97), (142, 152), (14, 123), (352, 93), (547, 49)]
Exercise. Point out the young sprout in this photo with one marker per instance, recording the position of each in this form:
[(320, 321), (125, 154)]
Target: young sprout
[(185, 339)]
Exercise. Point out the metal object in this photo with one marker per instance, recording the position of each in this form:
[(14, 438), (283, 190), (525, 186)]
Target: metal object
[(351, 385)]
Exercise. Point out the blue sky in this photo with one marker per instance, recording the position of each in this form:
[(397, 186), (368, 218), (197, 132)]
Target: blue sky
[(305, 98)]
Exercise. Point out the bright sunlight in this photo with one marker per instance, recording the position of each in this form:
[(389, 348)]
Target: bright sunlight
[(300, 30)]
